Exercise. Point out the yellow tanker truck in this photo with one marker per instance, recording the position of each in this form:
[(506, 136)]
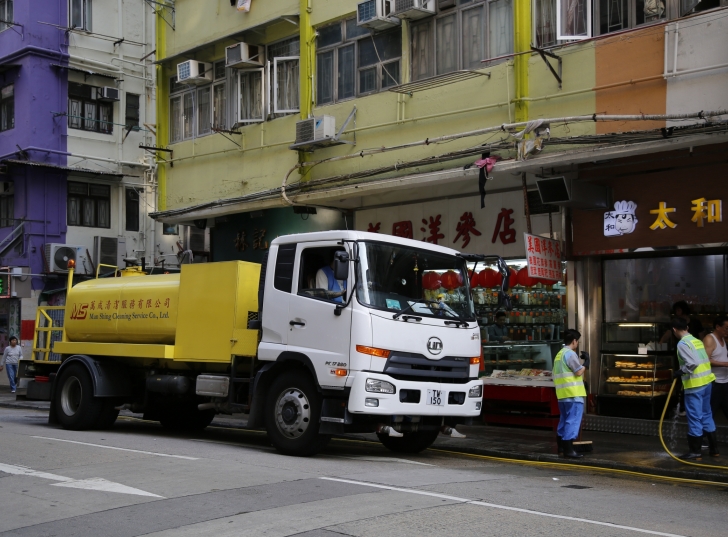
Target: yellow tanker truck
[(344, 342)]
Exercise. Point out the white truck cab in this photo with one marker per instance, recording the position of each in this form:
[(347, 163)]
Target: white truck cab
[(383, 335)]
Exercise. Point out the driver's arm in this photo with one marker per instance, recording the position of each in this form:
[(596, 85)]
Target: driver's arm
[(322, 282)]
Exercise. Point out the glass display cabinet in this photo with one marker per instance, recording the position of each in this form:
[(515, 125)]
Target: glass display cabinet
[(635, 370)]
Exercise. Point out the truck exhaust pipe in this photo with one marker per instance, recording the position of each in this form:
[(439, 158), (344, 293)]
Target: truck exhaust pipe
[(391, 431)]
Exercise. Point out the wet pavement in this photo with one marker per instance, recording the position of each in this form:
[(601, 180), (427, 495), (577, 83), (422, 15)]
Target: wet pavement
[(629, 452)]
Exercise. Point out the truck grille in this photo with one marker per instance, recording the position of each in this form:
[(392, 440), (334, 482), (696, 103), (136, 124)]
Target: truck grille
[(408, 366)]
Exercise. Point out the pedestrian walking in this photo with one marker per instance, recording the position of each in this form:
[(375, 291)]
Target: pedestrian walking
[(11, 356), (717, 351), (568, 375), (697, 379)]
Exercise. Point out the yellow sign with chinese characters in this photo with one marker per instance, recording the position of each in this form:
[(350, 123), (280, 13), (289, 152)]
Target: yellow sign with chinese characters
[(710, 210), (663, 220)]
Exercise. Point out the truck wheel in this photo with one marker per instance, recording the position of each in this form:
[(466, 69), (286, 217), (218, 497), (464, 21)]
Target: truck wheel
[(410, 442), (108, 416), (292, 413), (186, 418), (76, 406)]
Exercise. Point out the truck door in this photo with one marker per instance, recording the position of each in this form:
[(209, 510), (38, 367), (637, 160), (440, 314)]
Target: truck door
[(314, 329)]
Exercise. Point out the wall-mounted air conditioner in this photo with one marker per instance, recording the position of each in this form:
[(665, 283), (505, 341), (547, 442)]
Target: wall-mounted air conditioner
[(109, 251), (243, 55), (315, 129), (107, 94), (376, 14), (194, 72), (58, 255), (572, 193), (414, 9)]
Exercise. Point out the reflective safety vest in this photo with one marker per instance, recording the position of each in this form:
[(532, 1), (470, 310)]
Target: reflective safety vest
[(568, 384), (702, 374)]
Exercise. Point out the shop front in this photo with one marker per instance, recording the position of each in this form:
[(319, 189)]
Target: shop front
[(660, 249)]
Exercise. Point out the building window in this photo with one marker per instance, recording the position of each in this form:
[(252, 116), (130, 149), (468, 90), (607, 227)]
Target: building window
[(284, 86), (7, 204), (89, 205), (132, 210), (219, 97), (461, 36), (6, 14), (351, 62), (80, 14), (7, 108), (204, 110), (170, 229), (132, 111), (251, 105), (87, 113), (194, 111), (617, 15)]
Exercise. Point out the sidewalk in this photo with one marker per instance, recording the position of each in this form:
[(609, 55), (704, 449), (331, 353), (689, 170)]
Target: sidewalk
[(629, 452)]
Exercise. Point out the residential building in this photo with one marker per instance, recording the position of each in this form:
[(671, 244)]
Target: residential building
[(78, 101)]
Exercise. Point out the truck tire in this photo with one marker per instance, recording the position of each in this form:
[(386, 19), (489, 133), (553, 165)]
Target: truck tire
[(410, 442), (186, 417), (76, 407), (292, 415)]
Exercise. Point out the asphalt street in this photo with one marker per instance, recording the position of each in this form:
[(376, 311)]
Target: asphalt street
[(138, 479)]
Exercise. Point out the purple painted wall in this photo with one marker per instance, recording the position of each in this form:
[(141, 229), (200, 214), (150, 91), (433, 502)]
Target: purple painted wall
[(27, 56)]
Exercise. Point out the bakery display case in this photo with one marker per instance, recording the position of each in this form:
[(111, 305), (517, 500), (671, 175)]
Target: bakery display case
[(635, 370), (516, 356)]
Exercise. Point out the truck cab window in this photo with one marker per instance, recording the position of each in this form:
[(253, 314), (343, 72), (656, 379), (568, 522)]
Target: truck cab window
[(316, 279), (283, 277)]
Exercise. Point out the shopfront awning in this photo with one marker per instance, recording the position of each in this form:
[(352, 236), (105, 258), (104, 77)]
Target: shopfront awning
[(81, 172)]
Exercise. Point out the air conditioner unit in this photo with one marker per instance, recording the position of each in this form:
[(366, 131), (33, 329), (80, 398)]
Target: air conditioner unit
[(109, 251), (414, 9), (315, 129), (107, 94), (572, 193), (194, 72), (376, 14), (242, 55), (58, 255)]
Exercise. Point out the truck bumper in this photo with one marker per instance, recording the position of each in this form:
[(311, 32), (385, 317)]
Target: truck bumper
[(393, 405)]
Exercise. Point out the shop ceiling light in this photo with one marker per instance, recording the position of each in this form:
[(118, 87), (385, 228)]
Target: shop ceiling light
[(636, 325)]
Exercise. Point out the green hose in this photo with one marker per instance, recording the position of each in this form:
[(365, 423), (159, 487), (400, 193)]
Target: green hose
[(662, 418)]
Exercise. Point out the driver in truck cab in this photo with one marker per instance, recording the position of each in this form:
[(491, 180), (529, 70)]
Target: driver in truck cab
[(325, 280)]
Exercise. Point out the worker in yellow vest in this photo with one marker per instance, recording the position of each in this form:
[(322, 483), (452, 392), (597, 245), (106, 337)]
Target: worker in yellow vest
[(568, 375), (697, 379)]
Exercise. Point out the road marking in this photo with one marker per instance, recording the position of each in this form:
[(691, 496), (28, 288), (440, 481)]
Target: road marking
[(94, 483), (497, 506), (381, 459), (119, 448)]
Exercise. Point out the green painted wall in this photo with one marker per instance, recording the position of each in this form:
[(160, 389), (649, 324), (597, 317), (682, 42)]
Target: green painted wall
[(229, 230)]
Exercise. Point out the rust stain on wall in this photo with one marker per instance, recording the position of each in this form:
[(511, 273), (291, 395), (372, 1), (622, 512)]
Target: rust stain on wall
[(626, 57)]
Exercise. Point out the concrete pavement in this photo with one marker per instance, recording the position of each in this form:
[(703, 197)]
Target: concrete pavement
[(228, 481)]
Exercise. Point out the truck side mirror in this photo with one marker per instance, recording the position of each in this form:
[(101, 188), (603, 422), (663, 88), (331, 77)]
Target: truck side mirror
[(341, 265)]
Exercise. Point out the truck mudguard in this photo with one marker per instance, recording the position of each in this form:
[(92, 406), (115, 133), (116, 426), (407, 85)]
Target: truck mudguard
[(109, 379)]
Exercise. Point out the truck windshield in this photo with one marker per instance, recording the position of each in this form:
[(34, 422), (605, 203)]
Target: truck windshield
[(425, 283)]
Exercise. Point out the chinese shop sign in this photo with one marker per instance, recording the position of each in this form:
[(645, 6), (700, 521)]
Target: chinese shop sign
[(543, 256)]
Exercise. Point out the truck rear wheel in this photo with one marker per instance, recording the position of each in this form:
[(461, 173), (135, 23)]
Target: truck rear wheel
[(292, 415), (76, 406), (410, 442)]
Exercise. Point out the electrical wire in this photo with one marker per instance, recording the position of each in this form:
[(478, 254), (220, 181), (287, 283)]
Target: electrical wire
[(662, 418)]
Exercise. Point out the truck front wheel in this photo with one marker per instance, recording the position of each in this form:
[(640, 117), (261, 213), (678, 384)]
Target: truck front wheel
[(293, 409), (76, 406), (410, 442)]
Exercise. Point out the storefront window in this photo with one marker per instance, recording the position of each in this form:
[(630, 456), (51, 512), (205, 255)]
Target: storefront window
[(644, 290)]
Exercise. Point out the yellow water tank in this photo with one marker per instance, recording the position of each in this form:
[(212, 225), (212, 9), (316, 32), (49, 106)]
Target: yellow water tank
[(124, 310)]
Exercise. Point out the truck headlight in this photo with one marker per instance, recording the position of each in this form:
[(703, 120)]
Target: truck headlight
[(379, 386), (476, 391)]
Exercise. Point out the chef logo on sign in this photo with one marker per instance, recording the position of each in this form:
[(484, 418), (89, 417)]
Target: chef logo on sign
[(622, 220)]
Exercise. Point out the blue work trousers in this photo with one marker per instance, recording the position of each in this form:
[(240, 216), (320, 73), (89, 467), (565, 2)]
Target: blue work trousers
[(12, 370), (699, 414), (570, 419)]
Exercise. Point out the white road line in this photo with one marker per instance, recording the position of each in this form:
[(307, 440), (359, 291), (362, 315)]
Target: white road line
[(504, 507), (92, 483), (381, 459), (119, 448)]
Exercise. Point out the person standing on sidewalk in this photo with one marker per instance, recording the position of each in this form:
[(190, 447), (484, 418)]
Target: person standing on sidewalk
[(697, 379), (568, 375), (11, 356), (717, 351)]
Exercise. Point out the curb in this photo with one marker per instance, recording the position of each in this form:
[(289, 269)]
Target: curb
[(705, 475), (24, 406)]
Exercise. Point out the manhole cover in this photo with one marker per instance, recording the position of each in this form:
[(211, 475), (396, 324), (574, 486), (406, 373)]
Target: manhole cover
[(577, 487)]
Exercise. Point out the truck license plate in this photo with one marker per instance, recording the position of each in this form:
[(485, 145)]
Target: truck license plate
[(434, 397)]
